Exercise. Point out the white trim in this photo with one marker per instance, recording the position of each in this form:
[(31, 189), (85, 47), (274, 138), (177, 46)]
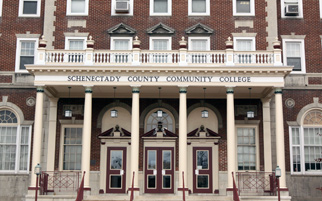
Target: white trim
[(253, 45), (18, 51), (320, 6), (61, 148), (207, 13), (301, 41), (20, 14), (190, 39), (1, 7), (169, 13), (252, 9), (300, 4), (255, 127), (160, 38), (130, 13), (69, 9), (67, 39), (112, 45)]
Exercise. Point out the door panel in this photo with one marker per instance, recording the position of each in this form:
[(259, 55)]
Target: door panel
[(202, 170), (159, 170), (116, 169)]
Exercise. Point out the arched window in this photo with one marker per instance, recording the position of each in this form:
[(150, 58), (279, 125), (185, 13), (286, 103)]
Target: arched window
[(14, 143), (306, 143), (152, 120)]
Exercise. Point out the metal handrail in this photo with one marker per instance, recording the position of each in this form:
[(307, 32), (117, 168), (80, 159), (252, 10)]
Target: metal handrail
[(80, 193), (235, 191), (183, 189), (132, 189)]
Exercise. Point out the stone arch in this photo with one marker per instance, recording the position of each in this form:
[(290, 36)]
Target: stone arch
[(306, 109), (15, 109)]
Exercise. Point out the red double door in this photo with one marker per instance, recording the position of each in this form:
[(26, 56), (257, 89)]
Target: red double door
[(159, 170)]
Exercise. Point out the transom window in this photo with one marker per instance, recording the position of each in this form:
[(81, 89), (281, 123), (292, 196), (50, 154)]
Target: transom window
[(199, 7), (246, 148), (166, 119), (29, 8), (14, 143), (306, 144)]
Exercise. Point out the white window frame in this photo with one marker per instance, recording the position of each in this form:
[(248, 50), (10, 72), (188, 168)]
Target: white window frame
[(69, 9), (1, 8), (252, 9), (300, 4), (130, 13), (28, 15), (257, 157), (320, 3), (61, 151), (160, 38), (301, 41), (67, 39), (190, 39), (18, 51), (253, 39), (112, 45), (207, 13), (169, 13), (18, 145)]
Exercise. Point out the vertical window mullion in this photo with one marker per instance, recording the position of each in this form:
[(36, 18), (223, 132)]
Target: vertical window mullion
[(18, 136)]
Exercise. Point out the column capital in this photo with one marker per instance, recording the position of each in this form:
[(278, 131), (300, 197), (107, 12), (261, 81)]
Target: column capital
[(278, 91), (40, 89), (135, 89), (183, 89), (230, 90), (88, 89)]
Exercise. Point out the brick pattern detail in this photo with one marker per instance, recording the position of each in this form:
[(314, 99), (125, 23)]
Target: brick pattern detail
[(5, 79), (315, 80)]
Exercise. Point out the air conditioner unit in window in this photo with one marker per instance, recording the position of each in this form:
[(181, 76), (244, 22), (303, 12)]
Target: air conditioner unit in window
[(291, 10), (122, 6)]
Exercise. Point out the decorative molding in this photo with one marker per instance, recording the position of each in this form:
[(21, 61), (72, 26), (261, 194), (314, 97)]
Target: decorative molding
[(293, 36), (76, 34), (199, 29), (121, 29), (160, 29)]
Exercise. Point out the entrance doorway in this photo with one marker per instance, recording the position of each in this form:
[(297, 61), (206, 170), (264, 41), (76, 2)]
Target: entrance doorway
[(159, 170), (202, 170), (116, 170)]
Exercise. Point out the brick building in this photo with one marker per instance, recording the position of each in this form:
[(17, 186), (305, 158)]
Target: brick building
[(162, 95)]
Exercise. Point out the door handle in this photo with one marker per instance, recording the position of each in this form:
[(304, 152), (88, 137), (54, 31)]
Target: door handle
[(154, 172), (163, 172), (196, 171), (121, 172)]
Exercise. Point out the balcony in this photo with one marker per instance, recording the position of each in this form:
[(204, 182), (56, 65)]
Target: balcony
[(138, 57)]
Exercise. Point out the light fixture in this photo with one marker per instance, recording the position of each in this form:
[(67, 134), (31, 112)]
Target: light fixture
[(278, 172), (38, 169), (159, 112), (114, 111), (68, 112), (37, 172), (204, 112), (250, 114)]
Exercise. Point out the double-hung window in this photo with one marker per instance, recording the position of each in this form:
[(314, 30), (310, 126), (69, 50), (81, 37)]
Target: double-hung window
[(121, 43), (306, 144), (160, 7), (244, 44), (199, 7), (199, 43), (243, 7), (29, 8), (25, 53), (75, 43), (14, 143), (293, 54), (72, 148), (77, 7), (160, 43), (246, 148)]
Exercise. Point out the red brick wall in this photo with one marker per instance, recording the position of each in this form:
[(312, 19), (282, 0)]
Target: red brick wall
[(221, 20), (5, 79)]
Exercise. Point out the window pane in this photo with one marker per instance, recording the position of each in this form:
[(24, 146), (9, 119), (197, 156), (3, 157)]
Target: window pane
[(8, 117), (244, 45), (116, 181), (202, 160), (246, 149), (160, 6), (116, 160), (166, 181), (243, 6), (76, 44), (77, 6), (160, 44), (30, 7), (152, 160), (151, 181), (199, 45), (121, 44), (72, 149), (198, 6), (202, 181), (166, 160)]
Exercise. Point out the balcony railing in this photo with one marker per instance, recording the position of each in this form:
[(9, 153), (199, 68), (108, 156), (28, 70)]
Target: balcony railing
[(256, 183), (137, 57)]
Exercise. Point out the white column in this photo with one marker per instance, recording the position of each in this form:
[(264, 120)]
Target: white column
[(280, 146), (267, 135), (135, 135), (231, 137), (36, 151), (52, 134), (87, 127), (183, 136)]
